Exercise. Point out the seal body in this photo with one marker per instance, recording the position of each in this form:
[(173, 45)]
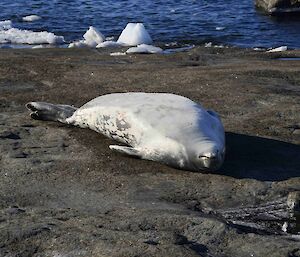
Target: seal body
[(167, 128)]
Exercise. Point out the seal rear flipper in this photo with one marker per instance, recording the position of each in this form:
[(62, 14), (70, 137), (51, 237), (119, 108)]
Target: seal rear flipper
[(126, 150), (50, 112)]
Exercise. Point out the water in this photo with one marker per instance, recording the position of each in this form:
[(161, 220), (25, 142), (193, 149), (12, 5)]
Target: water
[(230, 22)]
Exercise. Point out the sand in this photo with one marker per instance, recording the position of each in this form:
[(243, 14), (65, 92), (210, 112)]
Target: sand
[(64, 193)]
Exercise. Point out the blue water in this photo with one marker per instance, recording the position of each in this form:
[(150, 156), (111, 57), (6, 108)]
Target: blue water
[(187, 21)]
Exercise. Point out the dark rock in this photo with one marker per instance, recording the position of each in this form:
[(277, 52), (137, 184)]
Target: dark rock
[(278, 6), (9, 135)]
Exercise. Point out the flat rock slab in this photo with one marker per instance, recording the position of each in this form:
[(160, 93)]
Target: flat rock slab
[(64, 193)]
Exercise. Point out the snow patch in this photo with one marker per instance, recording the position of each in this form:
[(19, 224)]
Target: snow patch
[(30, 18), (144, 49), (134, 34), (37, 47), (278, 49), (108, 44), (117, 54)]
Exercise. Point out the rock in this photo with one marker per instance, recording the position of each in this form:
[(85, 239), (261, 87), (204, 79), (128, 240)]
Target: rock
[(83, 200), (9, 135), (275, 7)]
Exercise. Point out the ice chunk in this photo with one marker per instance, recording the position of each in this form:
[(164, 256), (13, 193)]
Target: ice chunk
[(108, 44), (18, 36), (110, 38), (4, 25), (78, 44), (31, 18), (134, 34), (144, 49), (39, 46), (117, 54), (93, 37), (278, 49), (259, 49)]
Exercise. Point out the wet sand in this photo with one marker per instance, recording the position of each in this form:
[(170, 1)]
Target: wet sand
[(64, 193)]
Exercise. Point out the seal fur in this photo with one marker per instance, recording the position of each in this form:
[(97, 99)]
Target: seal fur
[(166, 128)]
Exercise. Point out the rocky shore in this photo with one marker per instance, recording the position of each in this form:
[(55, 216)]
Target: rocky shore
[(277, 7), (64, 193)]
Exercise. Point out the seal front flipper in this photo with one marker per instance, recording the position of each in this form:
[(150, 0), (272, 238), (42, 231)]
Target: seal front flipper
[(126, 150)]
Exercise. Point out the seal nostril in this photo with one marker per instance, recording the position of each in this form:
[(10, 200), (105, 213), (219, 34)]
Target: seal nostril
[(209, 156), (203, 156)]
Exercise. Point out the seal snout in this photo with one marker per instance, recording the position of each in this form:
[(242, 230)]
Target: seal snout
[(211, 155), (211, 160)]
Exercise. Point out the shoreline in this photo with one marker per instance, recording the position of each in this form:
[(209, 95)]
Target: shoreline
[(63, 192), (164, 45)]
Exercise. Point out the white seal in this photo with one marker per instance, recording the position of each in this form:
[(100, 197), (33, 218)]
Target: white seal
[(166, 128)]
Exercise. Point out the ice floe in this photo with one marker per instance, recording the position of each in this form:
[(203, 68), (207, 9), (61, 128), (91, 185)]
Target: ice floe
[(18, 36), (30, 18), (135, 34), (277, 49), (144, 49), (11, 35)]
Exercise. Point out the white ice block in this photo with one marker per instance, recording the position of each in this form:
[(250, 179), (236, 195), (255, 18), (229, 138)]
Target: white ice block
[(30, 18), (134, 34), (93, 37)]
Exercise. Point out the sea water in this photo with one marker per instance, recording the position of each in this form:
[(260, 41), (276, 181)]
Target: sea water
[(230, 22)]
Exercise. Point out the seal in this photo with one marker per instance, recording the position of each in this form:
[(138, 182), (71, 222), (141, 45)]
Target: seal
[(166, 128)]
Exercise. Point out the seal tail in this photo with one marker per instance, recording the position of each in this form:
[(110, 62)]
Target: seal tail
[(50, 112)]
